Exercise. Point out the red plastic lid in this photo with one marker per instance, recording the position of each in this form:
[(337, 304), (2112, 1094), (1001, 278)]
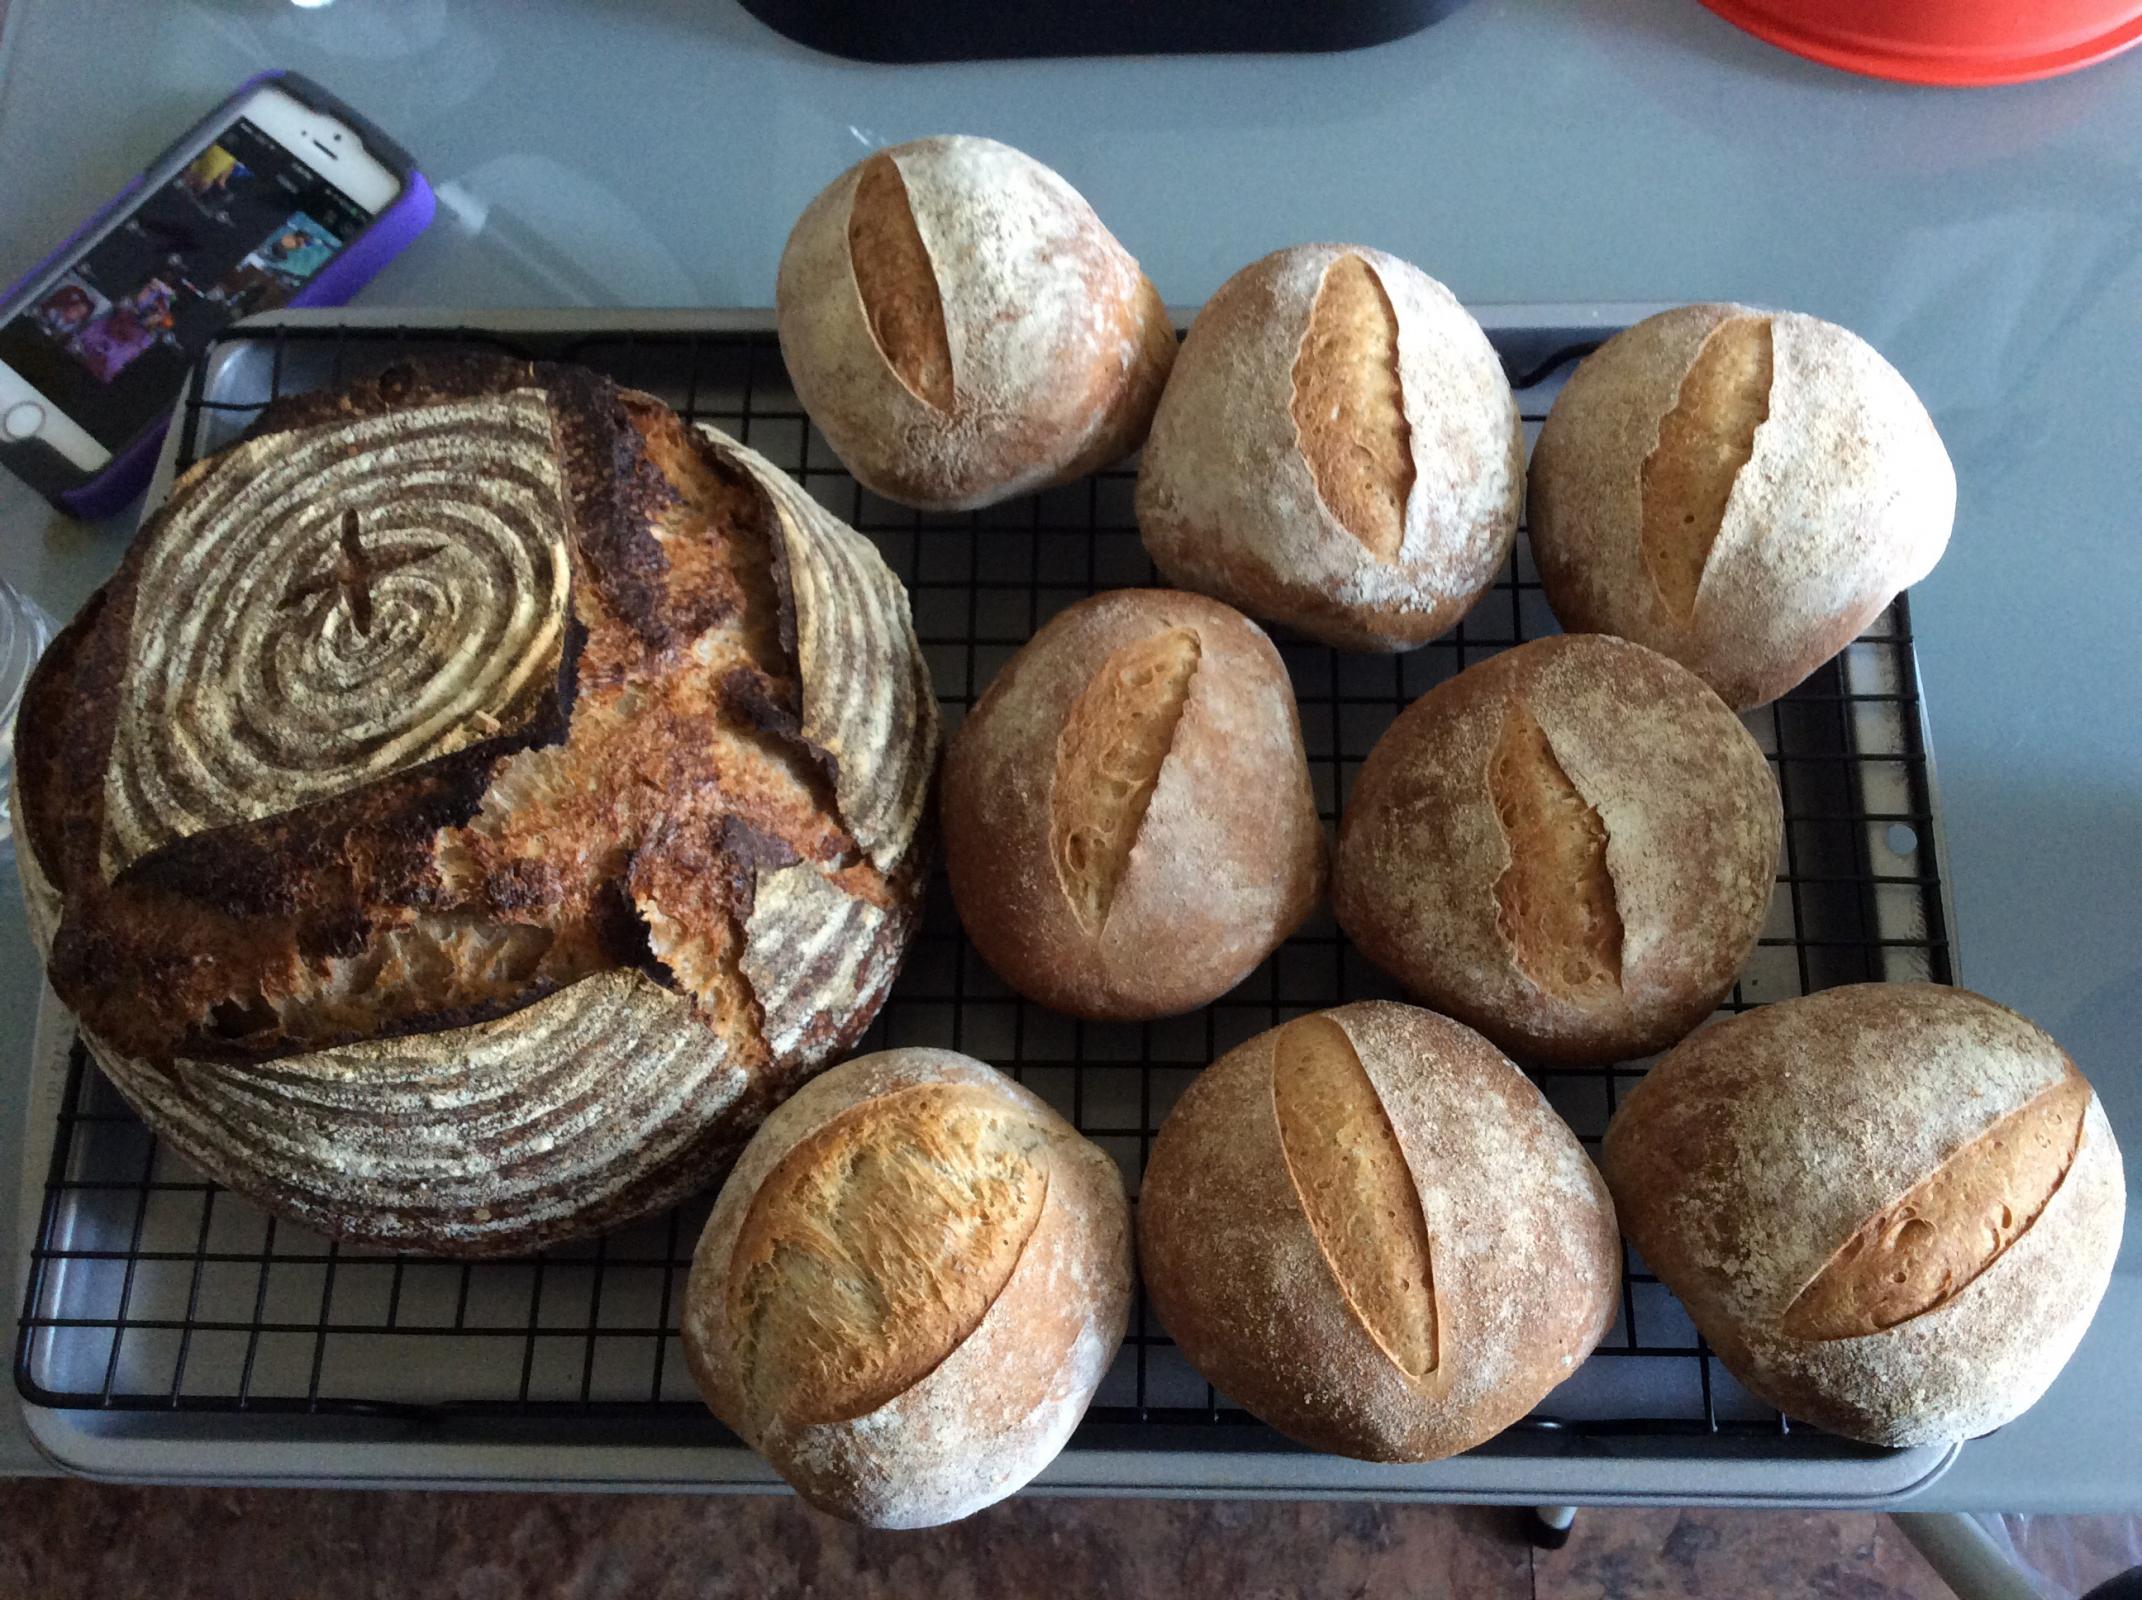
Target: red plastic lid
[(1955, 42)]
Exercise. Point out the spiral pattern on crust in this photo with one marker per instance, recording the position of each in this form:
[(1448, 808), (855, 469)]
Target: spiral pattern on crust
[(359, 598)]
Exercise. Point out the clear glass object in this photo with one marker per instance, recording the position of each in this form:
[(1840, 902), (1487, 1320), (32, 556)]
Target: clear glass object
[(25, 630)]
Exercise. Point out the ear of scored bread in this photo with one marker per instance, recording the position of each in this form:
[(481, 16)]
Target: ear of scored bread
[(909, 1287), (1891, 1207), (963, 328), (1368, 1228)]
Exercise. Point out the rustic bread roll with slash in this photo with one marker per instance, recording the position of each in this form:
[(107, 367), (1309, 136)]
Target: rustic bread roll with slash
[(1372, 1231), (1128, 819), (477, 797), (910, 1288), (1338, 449), (1741, 490), (1891, 1208), (963, 329), (1569, 846)]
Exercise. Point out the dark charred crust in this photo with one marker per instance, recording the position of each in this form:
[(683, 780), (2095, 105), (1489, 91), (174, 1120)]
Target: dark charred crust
[(760, 702), (434, 380), (616, 495), (515, 888), (752, 850), (370, 846)]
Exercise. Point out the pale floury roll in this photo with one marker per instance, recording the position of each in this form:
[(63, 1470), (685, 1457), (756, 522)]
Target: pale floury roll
[(1569, 846), (1369, 1228), (1338, 449), (963, 329), (1741, 490), (477, 798), (1129, 823), (910, 1288), (1891, 1208)]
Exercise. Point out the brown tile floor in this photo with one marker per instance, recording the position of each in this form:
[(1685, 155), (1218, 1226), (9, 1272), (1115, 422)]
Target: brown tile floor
[(61, 1539)]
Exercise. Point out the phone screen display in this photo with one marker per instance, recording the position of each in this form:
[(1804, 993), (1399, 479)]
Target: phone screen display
[(239, 230)]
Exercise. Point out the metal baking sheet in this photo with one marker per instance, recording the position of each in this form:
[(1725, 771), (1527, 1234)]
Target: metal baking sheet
[(173, 1331)]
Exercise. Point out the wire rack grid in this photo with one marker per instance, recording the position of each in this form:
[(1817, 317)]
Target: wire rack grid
[(153, 1289)]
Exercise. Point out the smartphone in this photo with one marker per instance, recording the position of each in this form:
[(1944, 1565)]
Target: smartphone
[(281, 196)]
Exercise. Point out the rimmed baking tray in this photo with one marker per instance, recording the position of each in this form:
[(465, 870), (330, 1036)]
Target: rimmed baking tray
[(172, 1330)]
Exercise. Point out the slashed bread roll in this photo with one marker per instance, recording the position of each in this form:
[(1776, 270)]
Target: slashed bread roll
[(962, 327), (910, 1287), (1128, 819), (1338, 449), (1741, 490), (1569, 846), (1891, 1208), (1369, 1228)]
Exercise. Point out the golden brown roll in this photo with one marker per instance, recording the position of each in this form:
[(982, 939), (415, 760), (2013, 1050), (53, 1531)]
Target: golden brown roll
[(1741, 490), (1337, 449), (963, 329), (1569, 846), (1129, 826), (1369, 1228), (1891, 1208), (910, 1287)]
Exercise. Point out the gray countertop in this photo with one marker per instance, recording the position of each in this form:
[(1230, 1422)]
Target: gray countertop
[(654, 152)]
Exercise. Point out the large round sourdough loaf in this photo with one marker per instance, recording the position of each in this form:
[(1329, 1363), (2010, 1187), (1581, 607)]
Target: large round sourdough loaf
[(910, 1288), (1129, 823), (1891, 1208), (1569, 846), (1368, 1228), (963, 328), (477, 798), (1337, 449), (1741, 490)]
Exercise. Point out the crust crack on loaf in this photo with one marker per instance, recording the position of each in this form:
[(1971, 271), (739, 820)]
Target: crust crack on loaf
[(1356, 1190), (1349, 407), (1555, 901), (1928, 1247), (878, 1245), (1108, 762), (1704, 441), (898, 284)]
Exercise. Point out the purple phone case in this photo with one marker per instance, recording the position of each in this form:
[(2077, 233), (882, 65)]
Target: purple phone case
[(384, 237)]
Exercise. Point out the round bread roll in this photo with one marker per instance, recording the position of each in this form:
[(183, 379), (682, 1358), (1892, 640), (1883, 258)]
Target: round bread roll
[(1891, 1208), (1337, 450), (1570, 846), (1741, 490), (1128, 820), (962, 328), (1369, 1228), (910, 1287), (475, 800)]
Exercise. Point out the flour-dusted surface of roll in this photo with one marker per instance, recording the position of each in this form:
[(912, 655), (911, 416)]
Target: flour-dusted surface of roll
[(1570, 846), (1741, 490), (1369, 1228), (910, 1287), (1128, 819), (1891, 1208), (475, 800), (962, 327), (1337, 449)]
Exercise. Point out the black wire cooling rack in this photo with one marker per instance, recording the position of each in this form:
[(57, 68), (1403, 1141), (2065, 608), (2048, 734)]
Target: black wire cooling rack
[(152, 1289)]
